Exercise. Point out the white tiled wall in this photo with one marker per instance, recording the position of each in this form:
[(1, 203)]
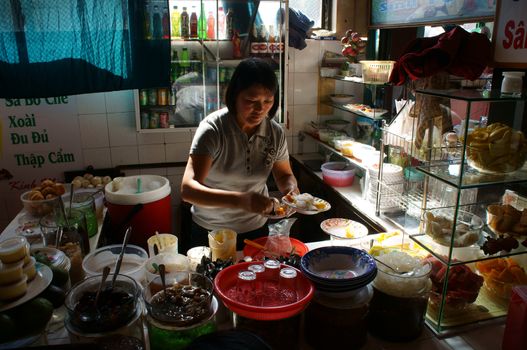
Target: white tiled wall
[(109, 138)]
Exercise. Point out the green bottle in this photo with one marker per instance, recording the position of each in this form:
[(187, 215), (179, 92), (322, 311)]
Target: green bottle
[(202, 23)]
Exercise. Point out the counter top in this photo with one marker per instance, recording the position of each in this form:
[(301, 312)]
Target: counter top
[(485, 337)]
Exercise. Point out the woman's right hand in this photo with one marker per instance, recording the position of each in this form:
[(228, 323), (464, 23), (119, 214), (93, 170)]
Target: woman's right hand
[(257, 203)]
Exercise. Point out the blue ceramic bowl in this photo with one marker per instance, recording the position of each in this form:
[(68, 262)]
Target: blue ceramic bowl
[(337, 266)]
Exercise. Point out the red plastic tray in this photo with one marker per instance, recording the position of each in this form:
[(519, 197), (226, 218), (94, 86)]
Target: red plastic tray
[(227, 279)]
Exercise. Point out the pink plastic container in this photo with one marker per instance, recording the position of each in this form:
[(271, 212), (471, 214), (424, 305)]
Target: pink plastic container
[(338, 174)]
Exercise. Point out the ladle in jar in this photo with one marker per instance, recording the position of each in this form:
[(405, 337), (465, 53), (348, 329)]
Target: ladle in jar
[(105, 273), (121, 254), (162, 272), (404, 274)]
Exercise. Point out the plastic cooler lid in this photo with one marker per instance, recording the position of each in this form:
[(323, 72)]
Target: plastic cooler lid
[(132, 190)]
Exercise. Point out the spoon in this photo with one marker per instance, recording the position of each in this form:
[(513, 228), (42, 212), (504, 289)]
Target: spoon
[(405, 274), (163, 282), (121, 254), (58, 236), (105, 273), (71, 197)]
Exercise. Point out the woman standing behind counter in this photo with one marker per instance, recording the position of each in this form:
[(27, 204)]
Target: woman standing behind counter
[(232, 154)]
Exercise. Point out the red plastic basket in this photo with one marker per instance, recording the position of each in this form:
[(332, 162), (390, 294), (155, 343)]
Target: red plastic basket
[(227, 279)]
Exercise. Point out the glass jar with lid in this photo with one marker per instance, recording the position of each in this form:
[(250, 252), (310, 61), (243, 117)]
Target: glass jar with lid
[(400, 296)]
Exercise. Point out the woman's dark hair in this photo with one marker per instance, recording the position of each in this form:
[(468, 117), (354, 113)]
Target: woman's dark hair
[(252, 71)]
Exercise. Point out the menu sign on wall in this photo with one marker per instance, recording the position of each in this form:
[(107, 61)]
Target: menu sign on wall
[(405, 13), (510, 34), (39, 138)]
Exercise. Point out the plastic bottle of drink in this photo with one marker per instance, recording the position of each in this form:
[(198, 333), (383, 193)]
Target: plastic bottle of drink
[(255, 45), (272, 45), (147, 21), (229, 24), (185, 63), (210, 26), (175, 23), (185, 29), (202, 23), (193, 23), (156, 24), (221, 24), (165, 22), (174, 66)]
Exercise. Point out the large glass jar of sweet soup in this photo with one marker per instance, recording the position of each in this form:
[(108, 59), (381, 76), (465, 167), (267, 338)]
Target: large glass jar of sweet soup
[(180, 313), (116, 311), (400, 296)]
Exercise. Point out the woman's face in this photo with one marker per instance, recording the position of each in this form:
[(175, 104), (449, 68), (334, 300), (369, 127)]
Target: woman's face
[(252, 106)]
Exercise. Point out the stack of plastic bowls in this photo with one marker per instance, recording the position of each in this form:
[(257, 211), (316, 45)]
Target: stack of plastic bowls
[(338, 270)]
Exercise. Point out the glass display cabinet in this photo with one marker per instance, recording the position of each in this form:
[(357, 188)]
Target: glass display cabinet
[(462, 200), (208, 40)]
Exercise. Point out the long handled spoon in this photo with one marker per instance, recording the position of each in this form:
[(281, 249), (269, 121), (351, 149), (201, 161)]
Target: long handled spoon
[(105, 273), (162, 272), (121, 254)]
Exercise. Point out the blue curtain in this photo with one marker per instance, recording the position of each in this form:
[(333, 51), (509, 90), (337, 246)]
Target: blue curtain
[(63, 47)]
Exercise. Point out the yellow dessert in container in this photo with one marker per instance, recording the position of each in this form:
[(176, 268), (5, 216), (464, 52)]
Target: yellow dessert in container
[(30, 269), (14, 290), (11, 273), (13, 249)]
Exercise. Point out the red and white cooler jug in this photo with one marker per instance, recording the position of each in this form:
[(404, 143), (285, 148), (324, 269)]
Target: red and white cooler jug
[(141, 201)]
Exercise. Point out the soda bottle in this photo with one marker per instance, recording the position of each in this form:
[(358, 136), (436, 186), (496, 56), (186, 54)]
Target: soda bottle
[(185, 30), (272, 49), (174, 66), (229, 24), (147, 22), (193, 23), (263, 39), (221, 24), (175, 23), (210, 26), (165, 23), (202, 23), (255, 45), (185, 63), (156, 24)]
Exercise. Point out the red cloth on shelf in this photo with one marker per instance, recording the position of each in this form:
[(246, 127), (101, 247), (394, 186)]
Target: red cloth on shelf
[(457, 52)]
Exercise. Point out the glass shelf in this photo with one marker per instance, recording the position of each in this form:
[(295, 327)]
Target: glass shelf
[(349, 110), (352, 160), (472, 95), (463, 255), (471, 178), (357, 80)]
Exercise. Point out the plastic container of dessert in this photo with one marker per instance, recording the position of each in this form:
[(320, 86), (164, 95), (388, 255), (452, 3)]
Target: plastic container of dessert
[(338, 174)]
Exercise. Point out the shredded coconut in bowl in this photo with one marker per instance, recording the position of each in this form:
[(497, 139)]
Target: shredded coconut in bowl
[(412, 280)]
